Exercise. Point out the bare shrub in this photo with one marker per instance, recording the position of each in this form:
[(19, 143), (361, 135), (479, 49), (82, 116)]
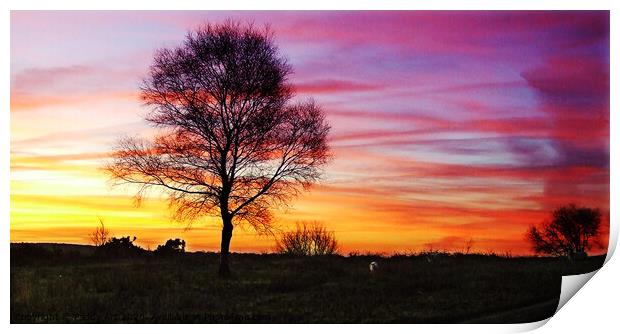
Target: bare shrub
[(307, 239), (100, 235)]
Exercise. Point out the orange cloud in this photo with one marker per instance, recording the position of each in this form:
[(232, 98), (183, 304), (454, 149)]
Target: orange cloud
[(26, 101)]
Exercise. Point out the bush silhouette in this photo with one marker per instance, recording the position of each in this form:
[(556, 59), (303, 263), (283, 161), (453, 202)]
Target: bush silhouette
[(171, 247), (119, 248), (307, 239)]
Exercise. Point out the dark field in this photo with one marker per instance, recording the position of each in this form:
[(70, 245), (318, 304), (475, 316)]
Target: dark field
[(73, 286)]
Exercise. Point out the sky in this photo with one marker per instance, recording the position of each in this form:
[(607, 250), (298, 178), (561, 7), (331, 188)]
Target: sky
[(449, 129)]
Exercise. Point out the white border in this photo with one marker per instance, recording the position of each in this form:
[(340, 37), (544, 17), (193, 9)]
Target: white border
[(592, 310)]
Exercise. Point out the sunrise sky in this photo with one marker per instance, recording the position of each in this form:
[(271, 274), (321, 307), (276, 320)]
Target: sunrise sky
[(446, 126)]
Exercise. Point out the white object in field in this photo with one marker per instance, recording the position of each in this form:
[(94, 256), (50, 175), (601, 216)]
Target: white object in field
[(373, 266)]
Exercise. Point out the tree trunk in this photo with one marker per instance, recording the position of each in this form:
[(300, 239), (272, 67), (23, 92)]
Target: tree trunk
[(227, 230)]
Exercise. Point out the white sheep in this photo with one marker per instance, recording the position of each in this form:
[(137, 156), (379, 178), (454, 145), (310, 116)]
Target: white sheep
[(374, 266)]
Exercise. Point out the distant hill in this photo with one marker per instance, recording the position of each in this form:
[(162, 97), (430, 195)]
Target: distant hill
[(83, 250)]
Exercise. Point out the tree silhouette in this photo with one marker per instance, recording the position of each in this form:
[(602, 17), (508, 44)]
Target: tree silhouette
[(231, 142), (568, 233)]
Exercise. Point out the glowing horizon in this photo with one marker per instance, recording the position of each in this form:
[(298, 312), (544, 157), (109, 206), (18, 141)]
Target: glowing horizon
[(446, 126)]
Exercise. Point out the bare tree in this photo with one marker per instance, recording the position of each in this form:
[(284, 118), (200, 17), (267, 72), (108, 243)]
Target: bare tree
[(231, 142), (100, 235), (568, 233), (469, 245)]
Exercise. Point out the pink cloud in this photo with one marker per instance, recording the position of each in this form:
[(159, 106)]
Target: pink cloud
[(333, 86), (571, 76), (34, 78)]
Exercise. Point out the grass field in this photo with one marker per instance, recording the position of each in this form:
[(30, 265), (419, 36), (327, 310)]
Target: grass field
[(75, 287)]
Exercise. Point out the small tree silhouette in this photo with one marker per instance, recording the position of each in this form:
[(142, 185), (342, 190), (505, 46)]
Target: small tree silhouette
[(307, 239), (100, 235), (568, 233)]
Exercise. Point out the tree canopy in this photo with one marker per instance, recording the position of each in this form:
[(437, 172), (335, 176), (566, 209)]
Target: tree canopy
[(571, 230)]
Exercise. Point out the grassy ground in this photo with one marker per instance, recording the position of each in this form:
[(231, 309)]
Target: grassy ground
[(278, 289)]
